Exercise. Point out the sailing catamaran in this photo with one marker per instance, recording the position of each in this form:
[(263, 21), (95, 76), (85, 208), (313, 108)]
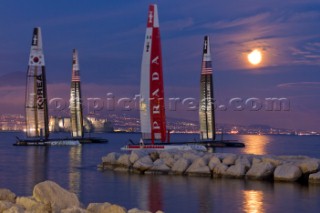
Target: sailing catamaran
[(152, 106), (206, 106), (36, 106), (36, 93), (75, 99), (76, 112)]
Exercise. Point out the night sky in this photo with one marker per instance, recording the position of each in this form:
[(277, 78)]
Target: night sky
[(109, 36)]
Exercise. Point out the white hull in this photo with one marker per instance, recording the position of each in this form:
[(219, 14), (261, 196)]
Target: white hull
[(54, 142), (182, 147), (63, 143)]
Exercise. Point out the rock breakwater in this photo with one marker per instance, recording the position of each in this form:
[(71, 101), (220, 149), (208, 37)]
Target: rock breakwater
[(216, 165)]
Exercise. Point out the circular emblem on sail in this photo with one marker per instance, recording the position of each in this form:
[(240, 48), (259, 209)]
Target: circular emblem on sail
[(35, 59)]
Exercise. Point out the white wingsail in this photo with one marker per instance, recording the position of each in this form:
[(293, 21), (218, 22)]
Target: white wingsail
[(36, 92)]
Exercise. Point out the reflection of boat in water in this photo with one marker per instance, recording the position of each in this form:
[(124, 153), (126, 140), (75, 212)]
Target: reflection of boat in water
[(75, 159), (37, 129), (37, 164), (152, 106)]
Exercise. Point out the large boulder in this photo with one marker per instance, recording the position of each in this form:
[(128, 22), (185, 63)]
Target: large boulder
[(207, 156), (50, 193), (236, 171), (308, 166), (191, 155), (115, 209), (198, 163), (199, 167), (244, 160), (124, 161), (314, 178), (256, 160), (154, 156), (229, 159), (7, 195), (262, 170), (169, 161), (220, 170), (287, 172), (4, 205), (164, 154), (105, 208), (143, 164), (15, 209), (177, 155), (137, 154), (98, 207), (74, 210), (213, 162), (135, 210), (159, 166), (199, 171), (221, 155), (111, 158), (271, 159), (180, 166), (31, 205)]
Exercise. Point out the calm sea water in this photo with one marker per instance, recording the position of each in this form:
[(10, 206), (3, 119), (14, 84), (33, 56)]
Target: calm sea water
[(75, 168)]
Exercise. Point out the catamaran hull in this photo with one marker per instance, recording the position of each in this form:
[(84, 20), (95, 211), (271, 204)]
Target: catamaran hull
[(47, 143), (59, 142), (182, 147), (93, 140), (221, 144)]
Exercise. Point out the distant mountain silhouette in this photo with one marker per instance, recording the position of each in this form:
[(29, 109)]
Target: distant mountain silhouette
[(13, 79)]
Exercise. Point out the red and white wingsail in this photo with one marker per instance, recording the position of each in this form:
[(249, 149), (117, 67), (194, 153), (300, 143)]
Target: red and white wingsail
[(152, 109), (36, 93)]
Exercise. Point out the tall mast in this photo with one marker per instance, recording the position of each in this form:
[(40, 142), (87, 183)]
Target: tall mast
[(206, 109), (152, 110), (36, 93), (75, 99)]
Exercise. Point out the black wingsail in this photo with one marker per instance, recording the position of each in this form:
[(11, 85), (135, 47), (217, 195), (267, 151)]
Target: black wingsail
[(206, 109), (75, 99)]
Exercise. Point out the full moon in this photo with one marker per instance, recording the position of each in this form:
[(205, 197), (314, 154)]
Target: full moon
[(255, 57)]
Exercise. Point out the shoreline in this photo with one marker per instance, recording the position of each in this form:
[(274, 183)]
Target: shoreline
[(285, 168), (49, 197)]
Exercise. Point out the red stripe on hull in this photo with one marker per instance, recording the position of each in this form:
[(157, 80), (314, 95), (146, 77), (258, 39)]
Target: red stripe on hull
[(145, 146)]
